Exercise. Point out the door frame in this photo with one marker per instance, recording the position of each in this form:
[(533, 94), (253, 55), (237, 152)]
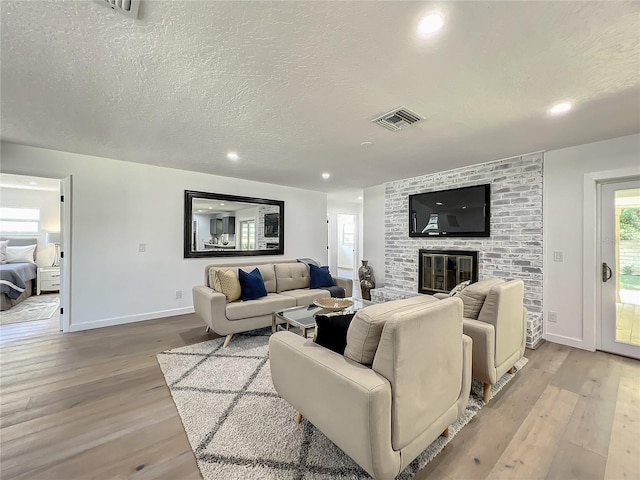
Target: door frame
[(66, 188), (591, 288)]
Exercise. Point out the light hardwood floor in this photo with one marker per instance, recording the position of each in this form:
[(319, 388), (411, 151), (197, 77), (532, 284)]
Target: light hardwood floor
[(94, 405)]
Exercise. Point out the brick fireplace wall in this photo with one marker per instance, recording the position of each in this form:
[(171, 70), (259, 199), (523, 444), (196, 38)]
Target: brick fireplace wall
[(514, 249)]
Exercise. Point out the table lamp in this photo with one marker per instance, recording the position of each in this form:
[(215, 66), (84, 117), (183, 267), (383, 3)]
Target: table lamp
[(54, 237)]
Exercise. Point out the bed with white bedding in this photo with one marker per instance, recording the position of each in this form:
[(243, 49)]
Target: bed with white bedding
[(18, 270)]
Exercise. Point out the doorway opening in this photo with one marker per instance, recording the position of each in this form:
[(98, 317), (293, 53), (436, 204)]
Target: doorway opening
[(32, 227)]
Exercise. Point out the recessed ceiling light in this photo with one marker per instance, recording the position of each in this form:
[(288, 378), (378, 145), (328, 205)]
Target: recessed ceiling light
[(326, 175), (232, 156), (430, 24), (222, 204), (360, 198), (438, 203), (210, 208), (560, 108), (366, 144), (33, 183)]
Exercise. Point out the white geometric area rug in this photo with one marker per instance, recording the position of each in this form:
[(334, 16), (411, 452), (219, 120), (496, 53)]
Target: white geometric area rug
[(239, 428)]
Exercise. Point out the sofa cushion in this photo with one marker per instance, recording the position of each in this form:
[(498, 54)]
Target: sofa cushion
[(306, 296), (366, 327), (260, 307), (268, 275), (226, 282), (320, 277), (331, 331), (252, 284), (474, 295), (266, 270), (291, 276)]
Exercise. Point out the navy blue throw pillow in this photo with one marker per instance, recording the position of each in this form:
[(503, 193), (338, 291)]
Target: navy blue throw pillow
[(320, 277), (252, 284), (331, 331)]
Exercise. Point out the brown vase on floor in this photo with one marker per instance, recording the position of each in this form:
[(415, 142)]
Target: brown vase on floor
[(365, 286)]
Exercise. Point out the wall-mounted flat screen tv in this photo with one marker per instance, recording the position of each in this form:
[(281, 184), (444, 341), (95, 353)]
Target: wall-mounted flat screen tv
[(458, 212), (271, 224)]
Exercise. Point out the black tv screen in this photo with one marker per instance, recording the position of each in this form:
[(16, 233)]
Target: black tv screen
[(459, 212), (271, 224)]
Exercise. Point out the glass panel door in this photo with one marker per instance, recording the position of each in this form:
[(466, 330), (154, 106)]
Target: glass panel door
[(620, 268)]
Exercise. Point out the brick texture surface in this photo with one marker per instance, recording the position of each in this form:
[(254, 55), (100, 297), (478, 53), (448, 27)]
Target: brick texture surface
[(514, 249)]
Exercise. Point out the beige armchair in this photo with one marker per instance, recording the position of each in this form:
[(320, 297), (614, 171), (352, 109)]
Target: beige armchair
[(499, 330), (383, 417)]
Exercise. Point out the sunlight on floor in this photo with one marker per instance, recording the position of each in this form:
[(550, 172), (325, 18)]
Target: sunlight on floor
[(628, 322)]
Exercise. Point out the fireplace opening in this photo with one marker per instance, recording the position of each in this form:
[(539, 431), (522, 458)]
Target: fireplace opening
[(441, 270)]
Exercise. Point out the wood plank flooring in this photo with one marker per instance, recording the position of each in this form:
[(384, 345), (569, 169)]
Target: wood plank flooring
[(94, 405)]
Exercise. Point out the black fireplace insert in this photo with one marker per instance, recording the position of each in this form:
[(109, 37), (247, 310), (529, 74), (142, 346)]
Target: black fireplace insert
[(441, 270)]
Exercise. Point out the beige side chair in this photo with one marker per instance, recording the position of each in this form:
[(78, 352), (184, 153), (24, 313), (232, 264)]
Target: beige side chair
[(499, 331), (385, 415)]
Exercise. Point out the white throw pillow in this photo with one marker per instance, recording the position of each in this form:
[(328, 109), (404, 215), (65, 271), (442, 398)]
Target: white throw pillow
[(21, 254), (458, 288), (3, 251)]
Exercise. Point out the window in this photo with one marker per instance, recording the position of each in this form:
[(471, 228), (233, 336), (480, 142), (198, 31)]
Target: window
[(347, 234), (247, 235), (19, 220)]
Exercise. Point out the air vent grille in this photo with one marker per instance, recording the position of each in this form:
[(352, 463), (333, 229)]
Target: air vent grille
[(126, 7), (398, 119)]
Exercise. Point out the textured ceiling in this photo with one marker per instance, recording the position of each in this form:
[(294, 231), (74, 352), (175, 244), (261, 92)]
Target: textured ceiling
[(292, 86)]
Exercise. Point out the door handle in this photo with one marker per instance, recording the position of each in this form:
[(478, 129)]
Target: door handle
[(606, 272)]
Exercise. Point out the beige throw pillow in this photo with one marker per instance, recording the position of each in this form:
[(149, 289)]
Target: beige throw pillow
[(227, 282), (474, 295)]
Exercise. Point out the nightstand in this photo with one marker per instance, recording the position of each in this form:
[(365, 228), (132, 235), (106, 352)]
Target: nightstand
[(48, 280)]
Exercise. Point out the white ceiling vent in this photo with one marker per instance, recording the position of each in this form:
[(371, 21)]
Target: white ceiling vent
[(126, 7), (398, 119)]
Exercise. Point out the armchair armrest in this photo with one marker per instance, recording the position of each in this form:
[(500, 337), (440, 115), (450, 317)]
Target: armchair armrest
[(467, 349), (348, 402), (211, 307), (441, 296), (484, 340), (345, 283)]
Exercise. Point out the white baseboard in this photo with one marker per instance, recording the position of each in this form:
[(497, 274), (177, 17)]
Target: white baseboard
[(110, 322), (568, 341)]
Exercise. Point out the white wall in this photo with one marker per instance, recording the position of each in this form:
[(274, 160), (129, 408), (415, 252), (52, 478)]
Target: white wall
[(373, 231), (566, 205), (118, 205), (48, 202)]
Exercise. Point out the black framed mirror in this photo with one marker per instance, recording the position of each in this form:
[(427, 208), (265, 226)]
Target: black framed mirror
[(219, 225)]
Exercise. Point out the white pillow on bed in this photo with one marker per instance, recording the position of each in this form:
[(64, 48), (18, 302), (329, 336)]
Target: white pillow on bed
[(20, 254), (3, 251)]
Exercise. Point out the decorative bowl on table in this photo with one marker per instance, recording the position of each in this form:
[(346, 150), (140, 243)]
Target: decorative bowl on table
[(333, 304)]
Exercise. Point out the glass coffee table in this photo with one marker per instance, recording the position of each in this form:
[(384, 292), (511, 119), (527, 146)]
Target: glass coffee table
[(304, 317)]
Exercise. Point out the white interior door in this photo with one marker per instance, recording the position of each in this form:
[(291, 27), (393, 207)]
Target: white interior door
[(620, 268)]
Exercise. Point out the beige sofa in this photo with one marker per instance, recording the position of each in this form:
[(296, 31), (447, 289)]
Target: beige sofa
[(385, 415), (287, 284), (496, 321)]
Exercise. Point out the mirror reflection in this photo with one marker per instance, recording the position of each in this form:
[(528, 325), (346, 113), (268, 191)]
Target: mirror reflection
[(229, 225)]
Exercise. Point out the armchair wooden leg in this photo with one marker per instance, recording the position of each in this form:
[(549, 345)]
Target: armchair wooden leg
[(298, 417), (512, 370), (486, 393), (227, 340), (446, 432), (208, 329)]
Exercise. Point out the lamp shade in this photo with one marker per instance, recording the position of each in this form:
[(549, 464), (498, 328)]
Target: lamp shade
[(52, 237)]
